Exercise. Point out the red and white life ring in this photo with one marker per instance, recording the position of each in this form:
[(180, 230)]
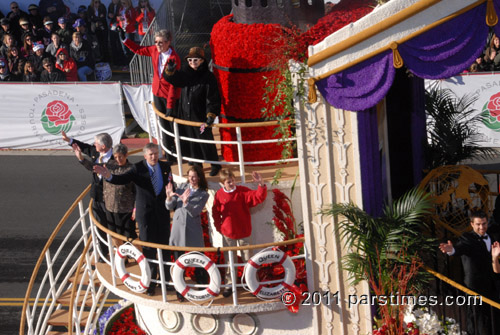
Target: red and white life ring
[(267, 257), (122, 252), (198, 260)]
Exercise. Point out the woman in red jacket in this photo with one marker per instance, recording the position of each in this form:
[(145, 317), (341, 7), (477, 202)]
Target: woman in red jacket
[(145, 15), (66, 64), (126, 21)]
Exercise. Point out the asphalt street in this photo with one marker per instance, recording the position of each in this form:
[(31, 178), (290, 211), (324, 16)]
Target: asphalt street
[(36, 189)]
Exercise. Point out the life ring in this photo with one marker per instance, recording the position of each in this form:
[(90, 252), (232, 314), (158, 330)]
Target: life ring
[(267, 257), (198, 260), (122, 252)]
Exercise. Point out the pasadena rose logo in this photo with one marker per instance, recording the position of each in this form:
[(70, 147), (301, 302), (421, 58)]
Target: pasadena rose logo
[(57, 117)]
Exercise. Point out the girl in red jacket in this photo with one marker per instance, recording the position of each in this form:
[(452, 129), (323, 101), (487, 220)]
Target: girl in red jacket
[(231, 214), (145, 14), (66, 64)]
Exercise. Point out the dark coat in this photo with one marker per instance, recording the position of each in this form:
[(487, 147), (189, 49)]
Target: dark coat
[(199, 97), (151, 214), (96, 187), (83, 56), (55, 75), (476, 261)]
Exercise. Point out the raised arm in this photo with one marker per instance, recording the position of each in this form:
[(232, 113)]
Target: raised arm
[(495, 253)]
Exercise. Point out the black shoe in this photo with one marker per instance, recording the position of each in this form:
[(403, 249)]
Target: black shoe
[(227, 292), (151, 290), (180, 298), (215, 170)]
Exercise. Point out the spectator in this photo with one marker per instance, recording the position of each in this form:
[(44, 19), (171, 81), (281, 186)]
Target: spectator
[(492, 54), (199, 102), (8, 42), (4, 71), (30, 74), (89, 37), (82, 14), (37, 56), (67, 65), (81, 52), (14, 16), (145, 15), (27, 48), (26, 27), (51, 74), (231, 214), (164, 94), (46, 32), (96, 15), (127, 21), (117, 54), (13, 59), (53, 47), (34, 17), (52, 8), (64, 32), (7, 29), (188, 202)]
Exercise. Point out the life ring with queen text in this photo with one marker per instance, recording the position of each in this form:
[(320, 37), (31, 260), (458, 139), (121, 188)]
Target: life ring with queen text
[(128, 250), (269, 256), (198, 260)]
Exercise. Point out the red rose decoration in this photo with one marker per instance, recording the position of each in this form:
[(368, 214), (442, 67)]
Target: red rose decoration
[(494, 106), (58, 112)]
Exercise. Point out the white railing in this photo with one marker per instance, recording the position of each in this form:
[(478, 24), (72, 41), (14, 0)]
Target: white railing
[(66, 259), (239, 143), (163, 283)]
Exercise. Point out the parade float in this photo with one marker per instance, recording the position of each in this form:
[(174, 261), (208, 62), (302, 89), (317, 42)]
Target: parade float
[(293, 284)]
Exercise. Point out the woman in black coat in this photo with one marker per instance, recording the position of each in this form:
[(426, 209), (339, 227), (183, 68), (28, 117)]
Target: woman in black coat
[(199, 102)]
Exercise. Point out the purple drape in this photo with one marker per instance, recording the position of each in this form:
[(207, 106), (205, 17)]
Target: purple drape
[(371, 169), (441, 52)]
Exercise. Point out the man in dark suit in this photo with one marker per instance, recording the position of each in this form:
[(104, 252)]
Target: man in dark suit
[(474, 247), (99, 153), (150, 177)]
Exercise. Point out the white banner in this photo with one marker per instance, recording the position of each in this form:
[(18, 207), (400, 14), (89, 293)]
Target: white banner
[(486, 88), (34, 115), (137, 96)]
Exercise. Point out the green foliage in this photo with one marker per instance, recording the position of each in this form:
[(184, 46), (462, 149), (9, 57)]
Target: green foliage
[(378, 245), (452, 129)]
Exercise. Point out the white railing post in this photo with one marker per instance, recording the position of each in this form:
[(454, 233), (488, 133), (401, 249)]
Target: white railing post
[(148, 120), (83, 222), (111, 258), (241, 160), (162, 275), (233, 277), (51, 275), (178, 147)]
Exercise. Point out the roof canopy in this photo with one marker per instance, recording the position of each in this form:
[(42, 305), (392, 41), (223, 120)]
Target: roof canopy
[(354, 67)]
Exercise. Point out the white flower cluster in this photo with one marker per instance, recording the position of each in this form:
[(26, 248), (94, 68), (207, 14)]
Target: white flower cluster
[(429, 323)]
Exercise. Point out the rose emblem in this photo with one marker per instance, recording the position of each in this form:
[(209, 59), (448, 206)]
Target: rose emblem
[(494, 106), (57, 117)]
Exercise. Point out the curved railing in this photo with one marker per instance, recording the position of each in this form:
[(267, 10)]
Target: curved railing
[(239, 143), (162, 282), (68, 271)]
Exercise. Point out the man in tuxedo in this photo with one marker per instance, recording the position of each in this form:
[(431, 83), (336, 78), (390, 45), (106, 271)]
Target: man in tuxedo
[(99, 153), (474, 248), (150, 177)]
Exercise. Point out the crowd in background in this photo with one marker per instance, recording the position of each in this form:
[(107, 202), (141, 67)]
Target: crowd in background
[(489, 60), (47, 42)]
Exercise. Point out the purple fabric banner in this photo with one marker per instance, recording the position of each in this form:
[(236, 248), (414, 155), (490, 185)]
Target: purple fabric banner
[(439, 53), (362, 85)]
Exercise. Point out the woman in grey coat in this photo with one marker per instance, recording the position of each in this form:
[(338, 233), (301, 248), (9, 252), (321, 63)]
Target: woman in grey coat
[(188, 200)]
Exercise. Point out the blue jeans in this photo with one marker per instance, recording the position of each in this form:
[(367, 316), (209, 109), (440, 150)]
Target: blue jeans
[(83, 72)]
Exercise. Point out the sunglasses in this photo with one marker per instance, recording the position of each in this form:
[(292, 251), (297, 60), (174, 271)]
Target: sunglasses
[(14, 7), (159, 42), (193, 59), (2, 66)]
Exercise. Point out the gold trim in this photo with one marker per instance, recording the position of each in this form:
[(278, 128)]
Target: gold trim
[(401, 41), (397, 60), (491, 15), (372, 31)]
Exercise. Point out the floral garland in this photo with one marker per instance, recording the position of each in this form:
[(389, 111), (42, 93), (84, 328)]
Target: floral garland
[(118, 319)]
